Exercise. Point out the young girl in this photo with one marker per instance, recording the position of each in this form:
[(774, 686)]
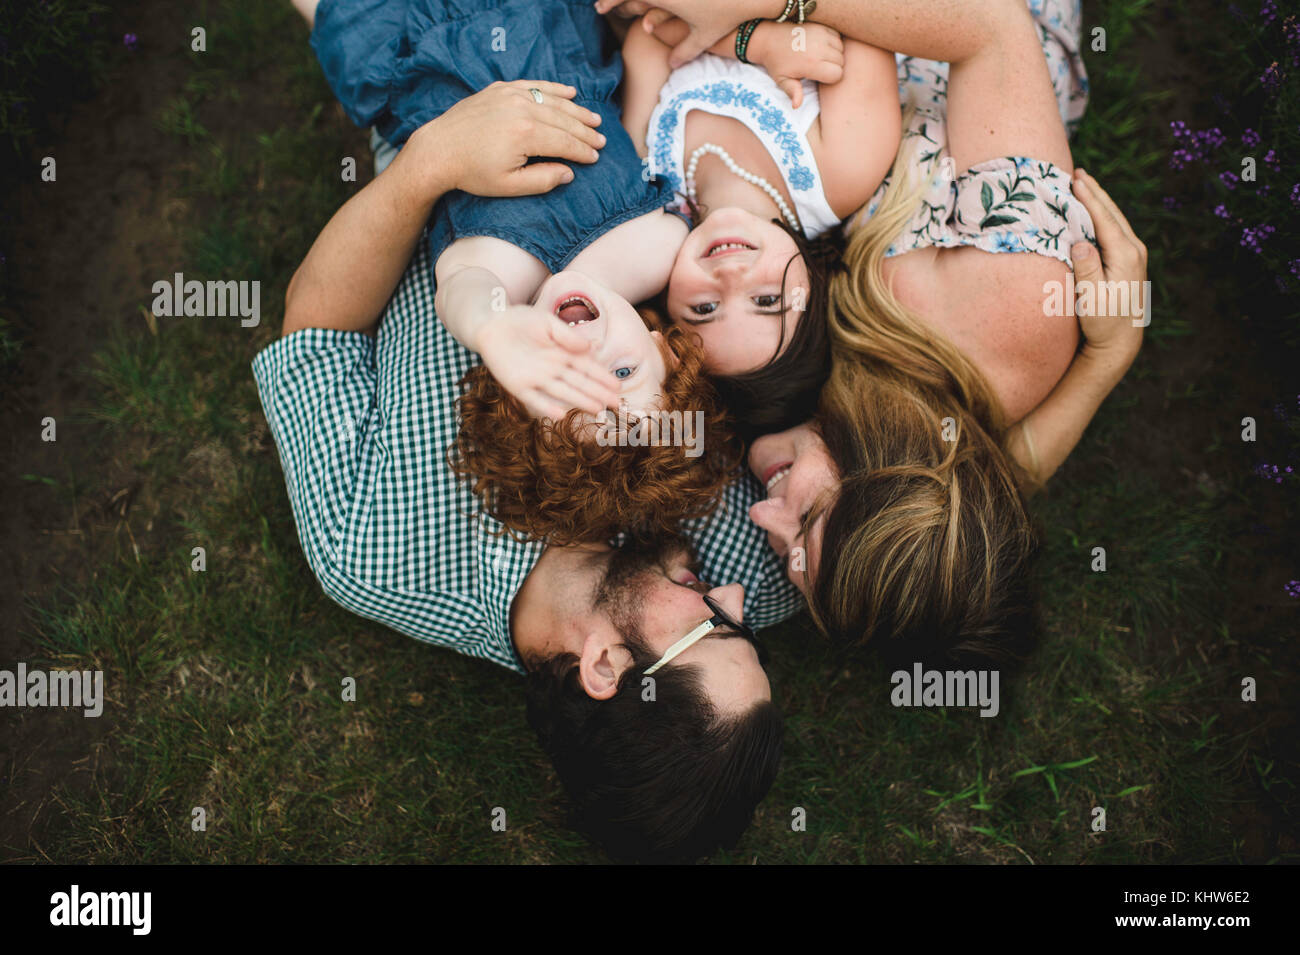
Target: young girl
[(768, 156)]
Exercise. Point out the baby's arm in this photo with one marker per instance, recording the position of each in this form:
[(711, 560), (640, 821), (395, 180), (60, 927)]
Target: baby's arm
[(645, 70), (531, 353), (861, 127), (815, 53)]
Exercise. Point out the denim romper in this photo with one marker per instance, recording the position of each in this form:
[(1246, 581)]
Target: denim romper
[(396, 64)]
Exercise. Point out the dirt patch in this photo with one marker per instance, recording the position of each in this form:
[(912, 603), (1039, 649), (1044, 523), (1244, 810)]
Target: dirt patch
[(92, 244)]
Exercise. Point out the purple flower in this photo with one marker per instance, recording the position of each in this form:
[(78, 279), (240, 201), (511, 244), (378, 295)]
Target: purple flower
[(1253, 238), (130, 41), (1293, 588), (1171, 204), (1270, 160), (1221, 211), (1250, 139), (1271, 78), (1210, 138), (1295, 268), (1268, 11), (1295, 194), (1229, 179)]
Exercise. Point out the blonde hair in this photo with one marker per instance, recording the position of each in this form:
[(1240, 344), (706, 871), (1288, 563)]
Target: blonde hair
[(927, 544)]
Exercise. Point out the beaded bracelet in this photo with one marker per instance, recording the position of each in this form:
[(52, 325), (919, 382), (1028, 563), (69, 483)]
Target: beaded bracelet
[(743, 34), (805, 8)]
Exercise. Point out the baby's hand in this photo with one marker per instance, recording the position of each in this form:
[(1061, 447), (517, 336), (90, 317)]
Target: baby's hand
[(791, 52), (544, 364)]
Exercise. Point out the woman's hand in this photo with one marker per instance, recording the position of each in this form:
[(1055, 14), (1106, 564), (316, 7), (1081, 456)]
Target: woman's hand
[(1047, 435), (820, 56), (482, 144), (543, 363), (1114, 281)]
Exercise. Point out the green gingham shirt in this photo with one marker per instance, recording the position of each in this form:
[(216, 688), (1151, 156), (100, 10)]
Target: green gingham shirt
[(363, 425)]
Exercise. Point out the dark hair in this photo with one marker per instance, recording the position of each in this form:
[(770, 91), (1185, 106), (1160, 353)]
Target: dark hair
[(783, 393), (664, 781)]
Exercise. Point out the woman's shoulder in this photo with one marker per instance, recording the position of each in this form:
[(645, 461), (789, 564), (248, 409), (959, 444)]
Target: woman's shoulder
[(1002, 310)]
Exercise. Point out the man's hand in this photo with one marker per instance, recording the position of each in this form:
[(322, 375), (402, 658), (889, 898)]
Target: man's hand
[(543, 363), (482, 144), (820, 57), (1122, 265)]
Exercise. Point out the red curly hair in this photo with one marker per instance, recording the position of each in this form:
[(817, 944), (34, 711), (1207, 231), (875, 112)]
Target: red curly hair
[(553, 481)]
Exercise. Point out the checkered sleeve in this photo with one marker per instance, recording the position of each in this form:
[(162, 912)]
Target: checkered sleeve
[(317, 388), (733, 549)]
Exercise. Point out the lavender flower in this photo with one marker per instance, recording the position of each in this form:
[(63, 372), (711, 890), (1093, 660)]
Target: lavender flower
[(1268, 11), (1293, 588), (1271, 78), (1229, 179), (1253, 238), (1221, 211), (1250, 139), (130, 41)]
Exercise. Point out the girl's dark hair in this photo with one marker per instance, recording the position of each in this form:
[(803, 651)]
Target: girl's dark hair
[(783, 393)]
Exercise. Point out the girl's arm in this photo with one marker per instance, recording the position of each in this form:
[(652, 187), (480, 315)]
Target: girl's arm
[(356, 262), (1047, 435), (645, 70), (861, 127)]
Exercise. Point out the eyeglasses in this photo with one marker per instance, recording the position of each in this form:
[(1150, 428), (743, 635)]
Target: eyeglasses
[(720, 618)]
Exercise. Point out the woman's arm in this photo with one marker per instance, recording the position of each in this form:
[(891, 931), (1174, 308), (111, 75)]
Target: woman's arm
[(1045, 438), (354, 265), (1000, 97)]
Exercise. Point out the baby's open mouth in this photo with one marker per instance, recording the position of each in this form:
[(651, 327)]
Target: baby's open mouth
[(576, 310)]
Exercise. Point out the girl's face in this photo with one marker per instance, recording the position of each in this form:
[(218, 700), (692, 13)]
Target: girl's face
[(726, 288), (620, 339), (801, 481)]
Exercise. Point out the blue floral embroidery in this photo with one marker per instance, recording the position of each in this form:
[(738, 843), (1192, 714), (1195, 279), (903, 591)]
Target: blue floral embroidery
[(764, 116), (1007, 242)]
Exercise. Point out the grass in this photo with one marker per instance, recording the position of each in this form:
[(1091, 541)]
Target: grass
[(225, 685)]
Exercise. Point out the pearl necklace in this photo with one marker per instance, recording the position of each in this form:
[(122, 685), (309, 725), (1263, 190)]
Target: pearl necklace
[(744, 174)]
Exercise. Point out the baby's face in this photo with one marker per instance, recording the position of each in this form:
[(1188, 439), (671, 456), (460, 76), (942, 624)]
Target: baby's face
[(726, 287), (620, 339)]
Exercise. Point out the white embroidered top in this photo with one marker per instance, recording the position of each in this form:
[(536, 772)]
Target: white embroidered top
[(744, 92)]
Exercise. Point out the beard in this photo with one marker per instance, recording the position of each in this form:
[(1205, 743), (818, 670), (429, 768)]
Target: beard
[(621, 592)]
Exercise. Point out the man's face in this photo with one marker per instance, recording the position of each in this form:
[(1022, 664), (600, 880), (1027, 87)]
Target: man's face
[(658, 596)]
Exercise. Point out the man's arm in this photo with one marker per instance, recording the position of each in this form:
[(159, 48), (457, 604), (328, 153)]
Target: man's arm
[(356, 262), (1045, 438)]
